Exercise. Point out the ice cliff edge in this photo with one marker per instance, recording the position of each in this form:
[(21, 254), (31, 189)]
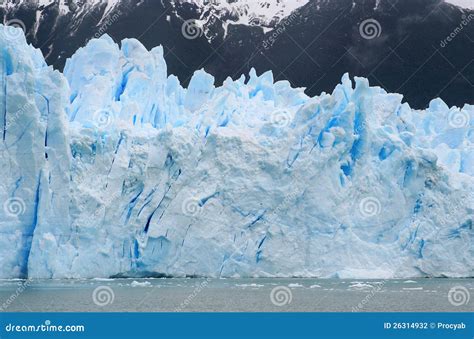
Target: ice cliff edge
[(113, 168)]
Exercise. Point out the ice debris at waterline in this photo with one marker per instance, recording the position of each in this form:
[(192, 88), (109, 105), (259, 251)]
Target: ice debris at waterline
[(114, 169)]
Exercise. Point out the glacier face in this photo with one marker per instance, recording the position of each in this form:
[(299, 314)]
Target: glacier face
[(114, 169)]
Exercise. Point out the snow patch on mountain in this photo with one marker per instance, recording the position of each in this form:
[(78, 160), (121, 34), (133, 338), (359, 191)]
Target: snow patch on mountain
[(469, 4), (65, 7), (262, 13), (266, 13)]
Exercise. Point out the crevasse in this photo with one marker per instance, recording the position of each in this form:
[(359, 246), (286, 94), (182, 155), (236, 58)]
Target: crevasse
[(114, 169)]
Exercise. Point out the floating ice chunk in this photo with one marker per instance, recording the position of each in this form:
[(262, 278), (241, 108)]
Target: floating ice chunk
[(360, 285), (140, 283), (295, 285), (249, 285)]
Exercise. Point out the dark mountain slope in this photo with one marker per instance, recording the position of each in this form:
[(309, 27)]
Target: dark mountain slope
[(401, 47)]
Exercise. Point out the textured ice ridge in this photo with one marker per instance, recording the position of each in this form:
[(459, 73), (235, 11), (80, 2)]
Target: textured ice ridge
[(115, 169)]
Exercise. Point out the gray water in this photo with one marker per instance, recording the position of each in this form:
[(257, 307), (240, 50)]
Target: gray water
[(238, 295)]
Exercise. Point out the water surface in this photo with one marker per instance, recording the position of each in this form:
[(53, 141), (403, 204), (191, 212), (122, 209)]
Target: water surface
[(236, 295)]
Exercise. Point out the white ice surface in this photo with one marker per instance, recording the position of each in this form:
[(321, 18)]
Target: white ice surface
[(115, 169)]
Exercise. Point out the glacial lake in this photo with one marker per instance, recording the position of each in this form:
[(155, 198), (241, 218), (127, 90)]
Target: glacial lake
[(238, 295)]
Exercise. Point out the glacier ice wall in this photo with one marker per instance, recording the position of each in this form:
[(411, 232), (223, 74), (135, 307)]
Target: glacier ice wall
[(115, 169)]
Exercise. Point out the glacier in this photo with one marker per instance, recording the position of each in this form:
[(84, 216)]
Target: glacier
[(114, 169)]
